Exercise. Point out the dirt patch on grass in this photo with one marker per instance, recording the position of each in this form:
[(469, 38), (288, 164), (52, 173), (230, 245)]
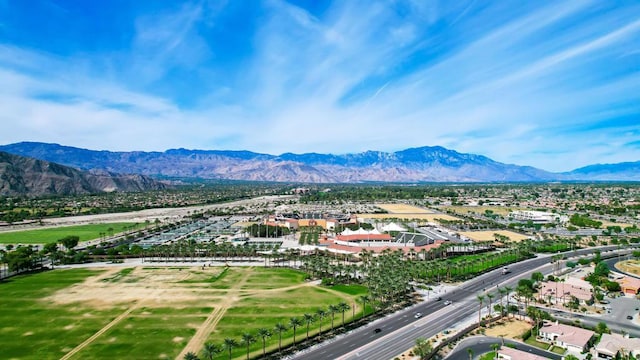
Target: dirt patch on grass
[(155, 288), (488, 235), (177, 339), (511, 329), (403, 209), (28, 333), (423, 217)]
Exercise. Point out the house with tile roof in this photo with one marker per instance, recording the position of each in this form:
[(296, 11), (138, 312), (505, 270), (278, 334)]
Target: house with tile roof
[(612, 345), (572, 338)]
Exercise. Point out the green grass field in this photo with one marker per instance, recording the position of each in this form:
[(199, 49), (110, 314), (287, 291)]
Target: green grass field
[(35, 329), (159, 324), (44, 236)]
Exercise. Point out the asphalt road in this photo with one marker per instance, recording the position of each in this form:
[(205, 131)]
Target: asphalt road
[(482, 344), (400, 330)]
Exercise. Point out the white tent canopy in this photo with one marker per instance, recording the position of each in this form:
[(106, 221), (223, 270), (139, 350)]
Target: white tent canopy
[(393, 227), (360, 231)]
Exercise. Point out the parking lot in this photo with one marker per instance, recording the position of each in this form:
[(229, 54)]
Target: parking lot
[(620, 307)]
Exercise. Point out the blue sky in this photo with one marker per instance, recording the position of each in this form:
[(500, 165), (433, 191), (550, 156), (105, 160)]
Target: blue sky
[(551, 84)]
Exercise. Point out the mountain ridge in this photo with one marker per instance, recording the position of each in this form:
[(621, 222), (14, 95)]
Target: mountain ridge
[(20, 175), (418, 164)]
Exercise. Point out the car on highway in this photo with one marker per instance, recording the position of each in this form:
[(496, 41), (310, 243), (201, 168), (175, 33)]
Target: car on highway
[(439, 298), (377, 330), (448, 302), (417, 315)]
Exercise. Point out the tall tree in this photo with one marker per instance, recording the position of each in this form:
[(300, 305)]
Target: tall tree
[(423, 348), (264, 333), (343, 307), (191, 356), (490, 297), (480, 300), (364, 299), (333, 309), (280, 328), (229, 344), (321, 314), (69, 242), (247, 340), (294, 322), (308, 319), (210, 350)]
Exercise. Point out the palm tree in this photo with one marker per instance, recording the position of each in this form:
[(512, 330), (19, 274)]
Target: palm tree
[(308, 318), (280, 328), (508, 290), (343, 306), (502, 291), (191, 356), (321, 313), (332, 310), (490, 297), (470, 352), (264, 333), (364, 299), (495, 348), (294, 322), (248, 339), (480, 299), (210, 350), (229, 344)]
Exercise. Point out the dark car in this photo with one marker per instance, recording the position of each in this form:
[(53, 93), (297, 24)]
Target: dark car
[(629, 317), (439, 298), (377, 330)]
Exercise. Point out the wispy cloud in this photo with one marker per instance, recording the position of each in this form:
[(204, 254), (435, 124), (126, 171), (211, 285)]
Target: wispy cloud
[(551, 84)]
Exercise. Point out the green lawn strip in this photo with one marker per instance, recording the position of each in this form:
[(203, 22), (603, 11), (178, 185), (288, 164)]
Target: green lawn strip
[(229, 279), (49, 330), (144, 337), (488, 356), (533, 342), (353, 290), (558, 350), (44, 236), (269, 278)]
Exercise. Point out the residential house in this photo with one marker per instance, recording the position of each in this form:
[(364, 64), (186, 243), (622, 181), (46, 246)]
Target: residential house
[(515, 354), (572, 338), (561, 292), (611, 345), (629, 285)]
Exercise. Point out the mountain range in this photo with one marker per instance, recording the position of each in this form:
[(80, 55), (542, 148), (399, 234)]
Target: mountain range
[(423, 164), (21, 175)]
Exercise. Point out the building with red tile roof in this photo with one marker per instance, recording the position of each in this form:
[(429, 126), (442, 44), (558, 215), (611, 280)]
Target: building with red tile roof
[(572, 338)]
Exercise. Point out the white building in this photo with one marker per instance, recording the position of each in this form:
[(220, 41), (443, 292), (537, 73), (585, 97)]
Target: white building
[(539, 217)]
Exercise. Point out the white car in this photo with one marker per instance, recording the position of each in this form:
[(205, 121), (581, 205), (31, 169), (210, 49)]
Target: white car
[(418, 315), (448, 302)]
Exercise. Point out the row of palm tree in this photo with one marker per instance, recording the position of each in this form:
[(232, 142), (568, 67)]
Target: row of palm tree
[(503, 292), (210, 350)]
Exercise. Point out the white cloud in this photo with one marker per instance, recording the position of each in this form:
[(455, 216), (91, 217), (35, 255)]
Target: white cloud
[(354, 78)]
